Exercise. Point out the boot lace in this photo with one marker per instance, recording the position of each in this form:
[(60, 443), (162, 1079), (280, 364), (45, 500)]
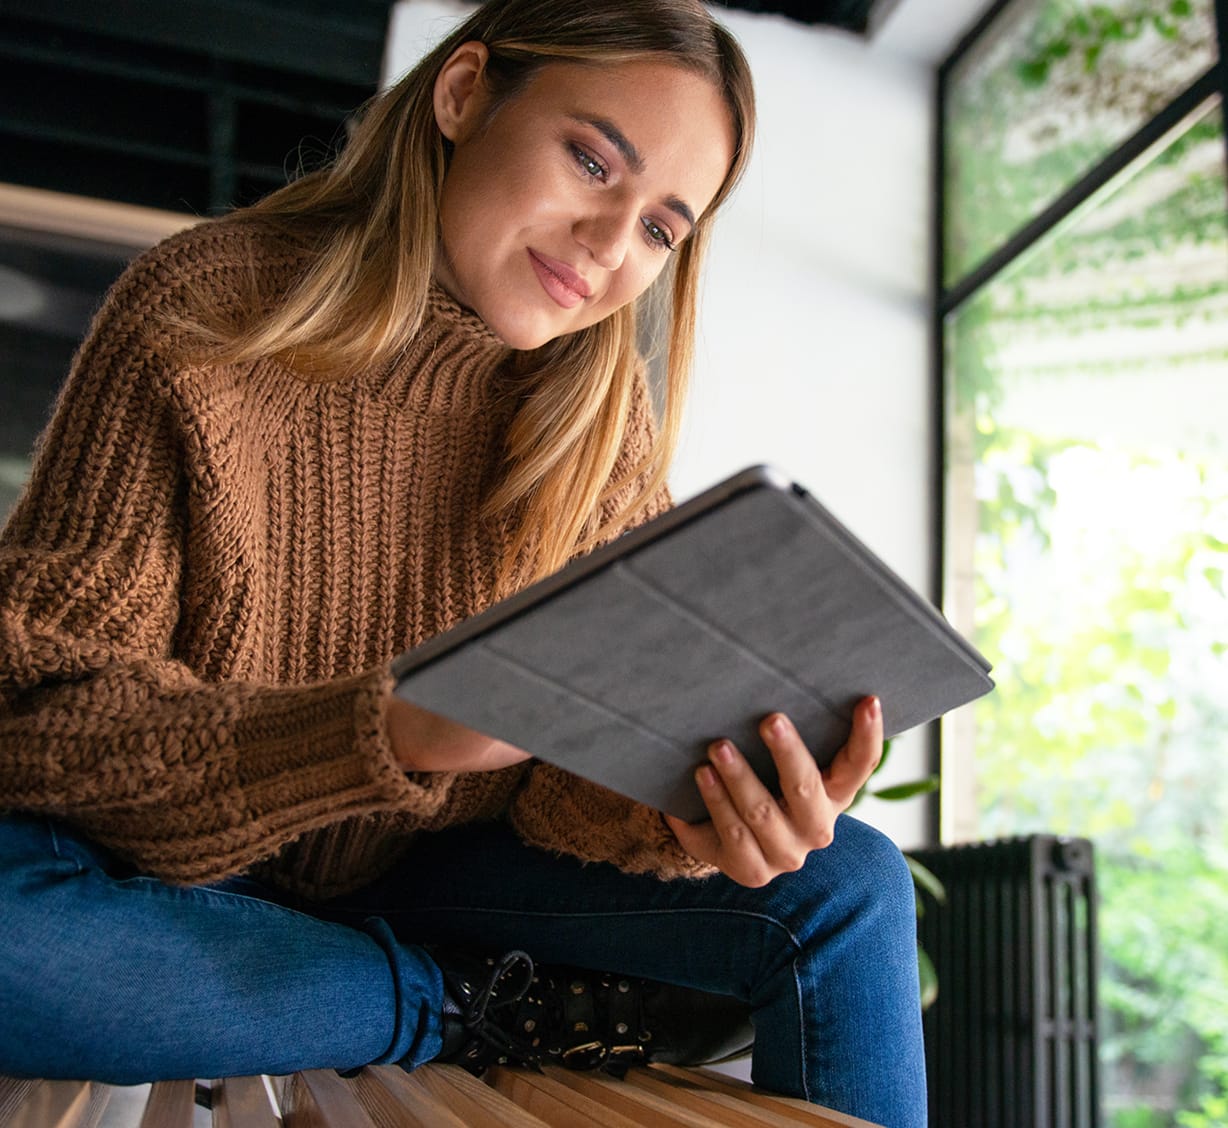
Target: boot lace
[(486, 1014)]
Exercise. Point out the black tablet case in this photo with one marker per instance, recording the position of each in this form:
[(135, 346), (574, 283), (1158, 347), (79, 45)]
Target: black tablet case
[(748, 599)]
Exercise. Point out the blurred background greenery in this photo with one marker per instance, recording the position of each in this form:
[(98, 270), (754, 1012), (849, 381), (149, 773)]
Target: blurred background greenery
[(1086, 508)]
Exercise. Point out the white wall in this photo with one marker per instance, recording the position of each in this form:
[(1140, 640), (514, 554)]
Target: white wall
[(813, 350), (814, 341)]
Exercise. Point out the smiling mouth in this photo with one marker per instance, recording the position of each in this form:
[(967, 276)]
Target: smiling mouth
[(562, 283)]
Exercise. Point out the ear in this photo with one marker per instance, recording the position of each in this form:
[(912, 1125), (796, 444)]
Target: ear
[(459, 96)]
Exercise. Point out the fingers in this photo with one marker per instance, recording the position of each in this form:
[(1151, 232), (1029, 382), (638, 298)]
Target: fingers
[(753, 836), (757, 837), (803, 795), (726, 841), (856, 761), (700, 840), (709, 841), (748, 838)]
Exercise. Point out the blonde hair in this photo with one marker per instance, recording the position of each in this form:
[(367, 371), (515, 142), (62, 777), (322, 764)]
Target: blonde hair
[(372, 219)]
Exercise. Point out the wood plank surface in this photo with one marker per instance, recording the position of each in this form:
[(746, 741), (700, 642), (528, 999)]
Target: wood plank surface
[(557, 1104), (242, 1102), (392, 1101), (719, 1108), (320, 1098), (793, 1109), (14, 1092), (171, 1104), (436, 1096), (62, 1104), (480, 1102)]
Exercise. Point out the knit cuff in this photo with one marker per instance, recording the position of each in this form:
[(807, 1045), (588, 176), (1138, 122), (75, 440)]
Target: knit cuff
[(560, 812), (309, 756)]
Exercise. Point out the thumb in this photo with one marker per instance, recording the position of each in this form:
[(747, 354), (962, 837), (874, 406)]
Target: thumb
[(697, 839)]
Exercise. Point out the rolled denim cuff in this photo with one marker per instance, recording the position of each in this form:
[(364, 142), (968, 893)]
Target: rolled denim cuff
[(418, 1024)]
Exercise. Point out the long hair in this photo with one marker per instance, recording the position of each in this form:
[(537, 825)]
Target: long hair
[(372, 219)]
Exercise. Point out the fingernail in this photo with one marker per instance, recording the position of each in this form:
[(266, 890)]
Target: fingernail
[(776, 725), (706, 777), (722, 752), (876, 708)]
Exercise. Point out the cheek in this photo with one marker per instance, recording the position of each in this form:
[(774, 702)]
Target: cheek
[(635, 279), (472, 199), (456, 219), (465, 207), (504, 179)]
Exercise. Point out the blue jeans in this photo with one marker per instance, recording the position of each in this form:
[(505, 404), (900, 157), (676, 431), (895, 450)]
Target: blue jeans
[(116, 976)]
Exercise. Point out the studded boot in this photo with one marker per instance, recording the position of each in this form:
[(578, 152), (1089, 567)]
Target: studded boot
[(508, 1011)]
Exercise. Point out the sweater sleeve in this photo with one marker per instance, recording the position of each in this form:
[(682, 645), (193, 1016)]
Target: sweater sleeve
[(562, 813), (190, 773)]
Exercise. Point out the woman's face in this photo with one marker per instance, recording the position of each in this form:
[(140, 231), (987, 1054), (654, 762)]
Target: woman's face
[(564, 205)]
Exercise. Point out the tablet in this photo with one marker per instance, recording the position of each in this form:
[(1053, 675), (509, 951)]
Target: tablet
[(748, 599)]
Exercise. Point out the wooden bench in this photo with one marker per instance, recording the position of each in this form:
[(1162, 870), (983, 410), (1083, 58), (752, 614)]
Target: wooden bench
[(436, 1096)]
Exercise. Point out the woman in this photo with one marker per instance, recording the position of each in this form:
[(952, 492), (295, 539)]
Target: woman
[(298, 441)]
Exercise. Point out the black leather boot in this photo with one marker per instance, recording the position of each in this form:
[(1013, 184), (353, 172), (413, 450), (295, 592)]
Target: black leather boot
[(484, 1001), (509, 1011)]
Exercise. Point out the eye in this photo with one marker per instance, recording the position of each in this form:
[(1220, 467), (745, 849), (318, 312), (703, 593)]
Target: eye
[(656, 235), (588, 163)]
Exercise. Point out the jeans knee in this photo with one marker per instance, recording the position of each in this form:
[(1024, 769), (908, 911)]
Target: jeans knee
[(861, 882), (877, 855), (883, 874)]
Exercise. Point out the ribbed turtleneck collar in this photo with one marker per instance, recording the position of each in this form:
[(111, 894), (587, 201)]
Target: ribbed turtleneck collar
[(454, 362), (444, 309)]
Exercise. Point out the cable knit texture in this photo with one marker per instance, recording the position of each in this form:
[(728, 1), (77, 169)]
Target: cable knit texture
[(211, 567)]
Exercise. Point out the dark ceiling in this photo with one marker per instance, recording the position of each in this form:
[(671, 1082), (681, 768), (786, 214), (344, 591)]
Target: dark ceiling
[(187, 105), (860, 16)]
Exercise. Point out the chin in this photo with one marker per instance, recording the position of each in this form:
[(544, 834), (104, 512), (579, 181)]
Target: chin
[(523, 341), (524, 333)]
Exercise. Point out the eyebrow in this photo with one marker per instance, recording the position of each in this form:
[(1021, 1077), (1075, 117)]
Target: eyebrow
[(635, 162)]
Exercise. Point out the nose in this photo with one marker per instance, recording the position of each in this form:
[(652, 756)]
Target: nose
[(606, 232)]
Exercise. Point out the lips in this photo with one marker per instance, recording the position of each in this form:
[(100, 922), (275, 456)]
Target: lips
[(564, 285)]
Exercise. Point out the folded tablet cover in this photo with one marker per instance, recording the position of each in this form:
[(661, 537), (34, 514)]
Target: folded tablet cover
[(751, 598)]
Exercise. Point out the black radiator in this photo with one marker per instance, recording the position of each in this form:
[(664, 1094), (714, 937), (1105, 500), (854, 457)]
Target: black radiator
[(1012, 1040)]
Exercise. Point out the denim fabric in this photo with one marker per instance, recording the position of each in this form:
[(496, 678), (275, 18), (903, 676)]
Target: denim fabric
[(118, 977)]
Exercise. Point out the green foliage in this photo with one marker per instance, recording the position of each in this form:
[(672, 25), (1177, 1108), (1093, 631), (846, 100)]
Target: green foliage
[(1030, 115), (929, 978), (926, 881), (907, 790), (1137, 1118), (1109, 722), (1107, 625), (1166, 972), (1086, 34), (1211, 1113), (1108, 636)]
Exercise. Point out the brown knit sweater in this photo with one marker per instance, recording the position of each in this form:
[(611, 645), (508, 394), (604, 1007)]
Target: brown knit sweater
[(204, 582)]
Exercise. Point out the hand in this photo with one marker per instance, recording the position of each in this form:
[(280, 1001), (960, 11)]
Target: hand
[(426, 742), (753, 836)]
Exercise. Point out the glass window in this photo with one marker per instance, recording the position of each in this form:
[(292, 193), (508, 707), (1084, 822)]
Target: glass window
[(1048, 92), (1087, 549)]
